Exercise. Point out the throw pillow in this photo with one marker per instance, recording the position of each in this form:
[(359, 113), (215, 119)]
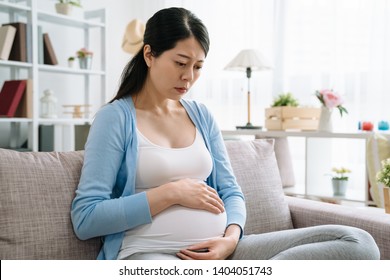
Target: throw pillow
[(255, 167), (36, 192)]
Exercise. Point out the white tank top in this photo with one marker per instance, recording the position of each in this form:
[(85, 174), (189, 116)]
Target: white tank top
[(177, 227)]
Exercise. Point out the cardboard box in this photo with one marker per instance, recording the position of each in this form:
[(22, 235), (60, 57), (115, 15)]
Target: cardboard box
[(294, 118)]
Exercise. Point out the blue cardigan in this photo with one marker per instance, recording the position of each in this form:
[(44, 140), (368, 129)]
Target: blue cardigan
[(106, 204)]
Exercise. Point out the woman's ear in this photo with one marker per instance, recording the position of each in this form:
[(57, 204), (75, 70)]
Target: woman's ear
[(148, 56)]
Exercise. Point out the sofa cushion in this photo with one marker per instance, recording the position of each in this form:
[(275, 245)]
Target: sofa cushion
[(35, 198), (255, 167)]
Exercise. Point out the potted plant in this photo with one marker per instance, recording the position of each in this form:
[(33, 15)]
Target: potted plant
[(85, 58), (340, 180), (64, 7), (71, 61), (285, 113), (285, 99), (383, 176)]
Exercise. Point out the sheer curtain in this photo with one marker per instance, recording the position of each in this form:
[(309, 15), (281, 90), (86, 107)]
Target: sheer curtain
[(343, 45), (339, 44), (312, 44)]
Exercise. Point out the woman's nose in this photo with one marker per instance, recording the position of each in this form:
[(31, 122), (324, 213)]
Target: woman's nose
[(188, 74)]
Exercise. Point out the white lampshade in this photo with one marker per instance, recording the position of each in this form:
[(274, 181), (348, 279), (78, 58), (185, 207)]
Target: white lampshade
[(249, 58)]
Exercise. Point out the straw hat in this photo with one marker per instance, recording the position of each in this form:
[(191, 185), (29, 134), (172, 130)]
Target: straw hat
[(133, 38)]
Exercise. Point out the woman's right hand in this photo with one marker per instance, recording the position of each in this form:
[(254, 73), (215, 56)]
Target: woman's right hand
[(191, 193), (196, 194)]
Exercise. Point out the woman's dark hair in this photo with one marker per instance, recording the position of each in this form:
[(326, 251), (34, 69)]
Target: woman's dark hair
[(163, 30)]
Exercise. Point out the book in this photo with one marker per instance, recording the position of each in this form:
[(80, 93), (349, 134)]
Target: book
[(40, 45), (49, 56), (10, 96), (25, 108), (80, 136), (19, 47), (29, 47), (7, 36), (46, 138)]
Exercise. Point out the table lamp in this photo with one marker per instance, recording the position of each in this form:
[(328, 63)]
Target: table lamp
[(248, 60)]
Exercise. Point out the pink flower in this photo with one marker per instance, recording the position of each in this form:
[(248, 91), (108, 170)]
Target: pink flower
[(331, 99), (83, 52)]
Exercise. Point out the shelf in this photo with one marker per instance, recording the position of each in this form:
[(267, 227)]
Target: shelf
[(71, 121), (65, 121), (308, 134), (318, 160), (12, 7), (351, 194), (67, 20), (10, 63), (50, 68), (68, 70), (18, 120)]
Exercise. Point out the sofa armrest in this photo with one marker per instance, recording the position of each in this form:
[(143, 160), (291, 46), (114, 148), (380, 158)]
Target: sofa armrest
[(305, 213)]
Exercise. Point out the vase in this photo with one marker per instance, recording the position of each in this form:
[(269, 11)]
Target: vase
[(339, 187), (386, 199), (85, 62), (325, 121)]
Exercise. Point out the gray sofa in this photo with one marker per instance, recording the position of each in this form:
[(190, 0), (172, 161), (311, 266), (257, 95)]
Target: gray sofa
[(36, 190)]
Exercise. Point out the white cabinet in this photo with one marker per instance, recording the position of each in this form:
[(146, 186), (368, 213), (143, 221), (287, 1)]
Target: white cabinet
[(71, 85), (314, 154)]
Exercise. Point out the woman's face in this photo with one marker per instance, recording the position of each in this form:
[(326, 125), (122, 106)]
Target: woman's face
[(173, 73)]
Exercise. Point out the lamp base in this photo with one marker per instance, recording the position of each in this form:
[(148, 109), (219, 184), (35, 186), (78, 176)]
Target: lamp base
[(249, 126)]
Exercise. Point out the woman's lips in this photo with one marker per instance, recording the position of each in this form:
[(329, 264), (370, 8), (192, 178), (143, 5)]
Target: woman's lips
[(181, 90)]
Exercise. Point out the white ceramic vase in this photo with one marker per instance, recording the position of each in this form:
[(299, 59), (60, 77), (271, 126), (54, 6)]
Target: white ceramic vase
[(325, 121)]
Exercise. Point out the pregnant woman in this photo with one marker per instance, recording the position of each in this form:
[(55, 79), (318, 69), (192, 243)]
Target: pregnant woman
[(156, 181)]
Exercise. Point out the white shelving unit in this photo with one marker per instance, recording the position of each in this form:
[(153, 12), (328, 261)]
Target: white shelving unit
[(322, 151), (93, 22)]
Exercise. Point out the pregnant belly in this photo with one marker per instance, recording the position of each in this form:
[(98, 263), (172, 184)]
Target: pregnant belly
[(182, 224)]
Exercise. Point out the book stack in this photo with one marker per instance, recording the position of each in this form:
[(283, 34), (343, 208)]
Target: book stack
[(16, 99)]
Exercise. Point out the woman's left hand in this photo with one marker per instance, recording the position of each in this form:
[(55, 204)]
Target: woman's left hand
[(215, 249)]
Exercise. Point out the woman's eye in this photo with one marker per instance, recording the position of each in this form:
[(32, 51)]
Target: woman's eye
[(180, 64), (197, 67)]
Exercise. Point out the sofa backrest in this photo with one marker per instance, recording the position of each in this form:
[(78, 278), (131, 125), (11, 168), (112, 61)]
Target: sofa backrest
[(36, 191), (37, 188)]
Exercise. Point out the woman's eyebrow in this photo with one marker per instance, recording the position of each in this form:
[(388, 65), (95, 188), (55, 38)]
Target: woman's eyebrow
[(188, 57)]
